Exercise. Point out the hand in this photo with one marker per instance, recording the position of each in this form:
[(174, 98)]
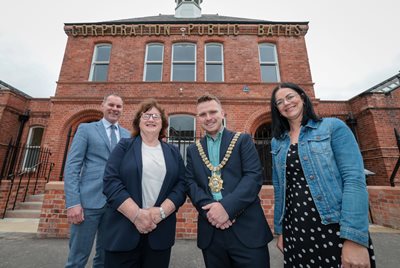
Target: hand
[(75, 215), (279, 243), (143, 222), (354, 255), (225, 225), (155, 214), (216, 214)]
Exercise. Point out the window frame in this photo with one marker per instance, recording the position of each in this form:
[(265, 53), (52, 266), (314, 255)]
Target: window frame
[(207, 63), (184, 62), (32, 152), (269, 63), (146, 62), (95, 62)]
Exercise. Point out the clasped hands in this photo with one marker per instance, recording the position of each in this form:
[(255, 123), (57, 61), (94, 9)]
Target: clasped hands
[(217, 216), (147, 219)]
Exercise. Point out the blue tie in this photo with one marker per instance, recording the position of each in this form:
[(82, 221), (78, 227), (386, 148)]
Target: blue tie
[(113, 137)]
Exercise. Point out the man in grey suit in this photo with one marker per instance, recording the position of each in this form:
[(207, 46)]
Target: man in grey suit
[(83, 181)]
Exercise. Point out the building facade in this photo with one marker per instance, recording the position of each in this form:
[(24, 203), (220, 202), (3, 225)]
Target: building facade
[(175, 59)]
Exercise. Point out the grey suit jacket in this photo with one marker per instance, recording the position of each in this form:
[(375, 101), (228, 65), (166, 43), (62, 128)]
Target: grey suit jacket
[(87, 158)]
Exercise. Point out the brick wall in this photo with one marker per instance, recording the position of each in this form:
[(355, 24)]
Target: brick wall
[(53, 218), (384, 203)]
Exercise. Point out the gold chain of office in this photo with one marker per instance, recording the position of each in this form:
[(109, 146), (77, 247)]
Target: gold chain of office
[(215, 180)]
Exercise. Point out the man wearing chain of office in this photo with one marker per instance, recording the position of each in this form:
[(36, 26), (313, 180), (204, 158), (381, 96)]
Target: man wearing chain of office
[(224, 178)]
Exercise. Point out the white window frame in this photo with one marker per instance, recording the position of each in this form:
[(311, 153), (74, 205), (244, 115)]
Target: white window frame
[(214, 62), (96, 62), (269, 63), (30, 149), (173, 62), (146, 62)]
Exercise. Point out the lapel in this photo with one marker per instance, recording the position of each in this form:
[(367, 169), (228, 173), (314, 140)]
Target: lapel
[(137, 150), (103, 134), (225, 141), (203, 143), (168, 158), (123, 133)]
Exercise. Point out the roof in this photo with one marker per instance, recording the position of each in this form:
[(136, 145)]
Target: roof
[(5, 86), (386, 86), (206, 18)]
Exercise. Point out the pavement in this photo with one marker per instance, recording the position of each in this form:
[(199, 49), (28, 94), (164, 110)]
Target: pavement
[(20, 247)]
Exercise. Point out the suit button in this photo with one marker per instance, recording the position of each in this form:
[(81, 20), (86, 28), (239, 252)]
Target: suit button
[(319, 198), (305, 158), (312, 177)]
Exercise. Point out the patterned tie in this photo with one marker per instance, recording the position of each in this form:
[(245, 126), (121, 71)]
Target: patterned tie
[(113, 137)]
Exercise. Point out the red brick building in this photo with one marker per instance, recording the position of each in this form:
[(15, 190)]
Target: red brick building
[(176, 58)]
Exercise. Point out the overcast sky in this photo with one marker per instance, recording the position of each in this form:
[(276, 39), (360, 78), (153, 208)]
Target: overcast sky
[(352, 44)]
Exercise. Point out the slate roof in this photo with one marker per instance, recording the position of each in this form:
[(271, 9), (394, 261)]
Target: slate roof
[(171, 19), (5, 86)]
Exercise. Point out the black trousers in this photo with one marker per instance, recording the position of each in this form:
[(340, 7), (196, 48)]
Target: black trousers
[(141, 257), (226, 251)]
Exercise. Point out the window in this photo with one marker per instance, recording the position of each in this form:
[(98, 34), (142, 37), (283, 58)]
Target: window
[(32, 149), (184, 62), (154, 62), (100, 62), (181, 132), (214, 63), (268, 63)]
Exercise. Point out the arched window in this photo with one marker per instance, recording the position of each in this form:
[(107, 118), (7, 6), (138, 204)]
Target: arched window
[(181, 132), (100, 62), (268, 63), (262, 140), (32, 149)]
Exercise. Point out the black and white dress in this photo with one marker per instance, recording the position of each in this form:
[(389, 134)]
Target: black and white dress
[(306, 241)]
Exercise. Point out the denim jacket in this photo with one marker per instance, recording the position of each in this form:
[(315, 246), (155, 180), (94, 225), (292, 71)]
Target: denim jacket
[(333, 167)]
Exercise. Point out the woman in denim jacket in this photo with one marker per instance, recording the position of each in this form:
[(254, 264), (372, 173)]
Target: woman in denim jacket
[(321, 200)]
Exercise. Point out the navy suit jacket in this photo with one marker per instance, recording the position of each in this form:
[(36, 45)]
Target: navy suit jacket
[(87, 157), (242, 182), (123, 179)]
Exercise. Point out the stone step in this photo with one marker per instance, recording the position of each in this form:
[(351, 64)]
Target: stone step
[(30, 205), (23, 213), (35, 198)]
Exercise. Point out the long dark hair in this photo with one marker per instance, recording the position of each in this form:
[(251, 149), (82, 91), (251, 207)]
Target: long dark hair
[(280, 124), (145, 106)]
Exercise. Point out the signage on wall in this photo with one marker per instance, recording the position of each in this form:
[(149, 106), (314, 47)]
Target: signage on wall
[(186, 29)]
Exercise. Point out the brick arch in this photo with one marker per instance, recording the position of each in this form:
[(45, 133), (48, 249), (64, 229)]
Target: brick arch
[(255, 120), (81, 117), (74, 121)]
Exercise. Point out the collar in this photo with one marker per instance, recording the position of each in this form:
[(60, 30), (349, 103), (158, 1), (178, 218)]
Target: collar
[(218, 136), (107, 124)]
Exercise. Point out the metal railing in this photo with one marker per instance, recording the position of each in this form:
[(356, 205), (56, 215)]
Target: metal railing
[(24, 163)]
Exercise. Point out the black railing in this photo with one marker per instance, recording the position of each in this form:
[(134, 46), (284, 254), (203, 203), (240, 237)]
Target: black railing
[(24, 163)]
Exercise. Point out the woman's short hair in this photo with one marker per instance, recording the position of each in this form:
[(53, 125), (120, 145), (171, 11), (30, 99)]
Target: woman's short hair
[(145, 106), (279, 123)]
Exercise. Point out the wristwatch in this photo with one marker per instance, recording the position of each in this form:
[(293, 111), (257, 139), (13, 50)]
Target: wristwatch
[(162, 213)]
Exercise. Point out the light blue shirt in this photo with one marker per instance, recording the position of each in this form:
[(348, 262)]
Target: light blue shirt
[(213, 147), (107, 126)]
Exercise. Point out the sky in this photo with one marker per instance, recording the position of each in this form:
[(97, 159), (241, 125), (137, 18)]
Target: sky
[(352, 44)]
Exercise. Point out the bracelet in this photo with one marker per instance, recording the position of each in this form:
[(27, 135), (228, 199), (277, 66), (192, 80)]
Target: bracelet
[(137, 215), (162, 213)]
